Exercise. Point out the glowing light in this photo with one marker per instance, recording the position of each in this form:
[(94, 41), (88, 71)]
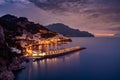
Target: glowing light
[(34, 54), (29, 51), (104, 34), (26, 54), (42, 54)]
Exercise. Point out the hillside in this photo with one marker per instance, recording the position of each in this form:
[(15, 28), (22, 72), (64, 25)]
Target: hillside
[(17, 25), (13, 26), (67, 31)]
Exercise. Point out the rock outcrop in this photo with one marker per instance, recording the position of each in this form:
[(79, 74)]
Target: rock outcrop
[(7, 75)]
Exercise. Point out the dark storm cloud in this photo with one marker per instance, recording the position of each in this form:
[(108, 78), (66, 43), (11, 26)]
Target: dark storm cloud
[(58, 5), (92, 8)]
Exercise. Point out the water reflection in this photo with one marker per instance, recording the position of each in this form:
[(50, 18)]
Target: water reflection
[(47, 65), (100, 61), (53, 61)]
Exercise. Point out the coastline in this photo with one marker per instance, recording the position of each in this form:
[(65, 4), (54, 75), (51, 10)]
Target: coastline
[(7, 71)]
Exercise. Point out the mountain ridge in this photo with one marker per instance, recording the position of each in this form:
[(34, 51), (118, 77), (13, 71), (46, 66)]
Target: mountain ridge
[(68, 31)]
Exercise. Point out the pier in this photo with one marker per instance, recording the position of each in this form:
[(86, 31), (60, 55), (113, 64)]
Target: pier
[(55, 53)]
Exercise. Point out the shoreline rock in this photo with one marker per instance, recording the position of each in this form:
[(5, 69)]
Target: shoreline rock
[(7, 75), (6, 72)]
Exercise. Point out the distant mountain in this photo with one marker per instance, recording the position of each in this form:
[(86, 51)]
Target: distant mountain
[(117, 35), (67, 31)]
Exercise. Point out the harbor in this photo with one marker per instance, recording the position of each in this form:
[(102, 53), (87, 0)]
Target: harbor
[(38, 49)]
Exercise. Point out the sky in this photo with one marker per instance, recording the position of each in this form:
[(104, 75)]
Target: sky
[(100, 17)]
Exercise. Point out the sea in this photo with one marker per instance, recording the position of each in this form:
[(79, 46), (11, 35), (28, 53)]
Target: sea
[(99, 61)]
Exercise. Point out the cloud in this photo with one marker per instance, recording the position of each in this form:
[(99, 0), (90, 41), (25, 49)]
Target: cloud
[(58, 5), (101, 9), (14, 1), (96, 16), (114, 29), (2, 2)]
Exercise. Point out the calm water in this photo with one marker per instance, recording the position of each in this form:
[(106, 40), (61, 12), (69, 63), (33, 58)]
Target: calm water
[(100, 61)]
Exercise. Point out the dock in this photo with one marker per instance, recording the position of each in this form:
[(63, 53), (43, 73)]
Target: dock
[(56, 53)]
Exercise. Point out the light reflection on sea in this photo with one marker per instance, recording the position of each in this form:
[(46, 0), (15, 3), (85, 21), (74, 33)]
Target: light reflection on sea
[(100, 61)]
